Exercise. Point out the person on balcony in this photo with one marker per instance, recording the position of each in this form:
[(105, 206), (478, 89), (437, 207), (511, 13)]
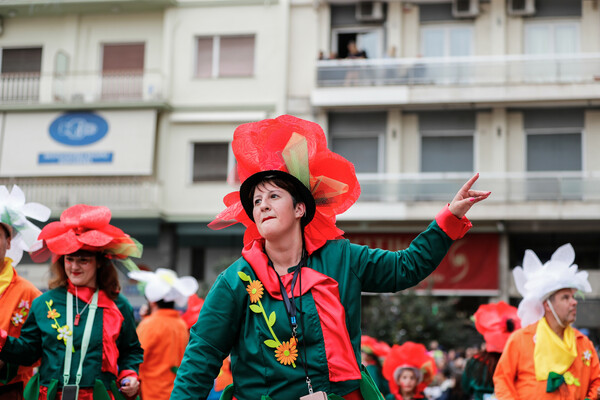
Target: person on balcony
[(288, 310), (548, 358), (17, 234), (83, 329)]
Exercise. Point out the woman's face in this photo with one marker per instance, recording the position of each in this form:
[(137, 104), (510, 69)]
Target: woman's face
[(81, 270), (274, 211), (407, 381)]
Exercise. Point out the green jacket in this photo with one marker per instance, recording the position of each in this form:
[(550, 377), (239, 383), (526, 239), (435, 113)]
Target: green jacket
[(230, 323), (39, 340)]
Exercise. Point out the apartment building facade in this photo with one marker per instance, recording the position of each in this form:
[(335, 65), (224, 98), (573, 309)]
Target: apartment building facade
[(132, 104)]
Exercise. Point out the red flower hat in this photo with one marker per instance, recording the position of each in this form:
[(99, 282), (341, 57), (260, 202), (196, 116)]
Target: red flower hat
[(83, 227), (373, 346), (298, 147), (409, 355), (496, 321)]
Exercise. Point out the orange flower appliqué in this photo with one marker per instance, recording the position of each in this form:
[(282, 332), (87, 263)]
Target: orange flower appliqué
[(52, 314), (255, 289), (287, 352)]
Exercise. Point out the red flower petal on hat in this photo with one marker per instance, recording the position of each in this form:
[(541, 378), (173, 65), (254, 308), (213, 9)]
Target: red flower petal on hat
[(413, 355), (52, 229), (65, 243), (86, 216), (490, 321), (95, 238)]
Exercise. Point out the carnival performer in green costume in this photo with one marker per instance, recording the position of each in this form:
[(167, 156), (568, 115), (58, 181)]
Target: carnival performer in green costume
[(288, 310), (83, 329)]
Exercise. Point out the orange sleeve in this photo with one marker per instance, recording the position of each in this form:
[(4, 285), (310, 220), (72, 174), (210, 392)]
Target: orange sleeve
[(594, 375), (506, 371)]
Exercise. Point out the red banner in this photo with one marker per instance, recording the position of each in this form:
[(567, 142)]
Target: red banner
[(470, 265)]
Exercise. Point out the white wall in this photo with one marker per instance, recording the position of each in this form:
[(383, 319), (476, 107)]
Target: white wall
[(183, 25)]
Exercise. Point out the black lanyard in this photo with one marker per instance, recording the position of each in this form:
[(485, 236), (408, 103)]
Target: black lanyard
[(290, 308)]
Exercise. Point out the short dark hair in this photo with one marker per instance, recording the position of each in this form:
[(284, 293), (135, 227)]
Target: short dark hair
[(165, 304)]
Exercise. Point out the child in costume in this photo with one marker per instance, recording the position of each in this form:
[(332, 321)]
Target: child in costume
[(373, 352), (163, 334), (17, 234), (496, 322), (288, 310), (83, 329), (409, 369)]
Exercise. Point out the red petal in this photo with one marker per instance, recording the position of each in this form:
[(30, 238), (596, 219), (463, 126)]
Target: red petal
[(66, 243), (86, 216), (95, 238), (52, 229)]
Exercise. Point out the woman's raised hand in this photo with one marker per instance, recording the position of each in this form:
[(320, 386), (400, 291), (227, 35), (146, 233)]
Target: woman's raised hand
[(465, 198)]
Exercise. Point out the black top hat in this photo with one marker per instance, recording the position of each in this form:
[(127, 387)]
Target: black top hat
[(247, 189)]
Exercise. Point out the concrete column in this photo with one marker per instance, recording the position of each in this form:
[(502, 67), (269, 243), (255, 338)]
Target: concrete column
[(393, 143)]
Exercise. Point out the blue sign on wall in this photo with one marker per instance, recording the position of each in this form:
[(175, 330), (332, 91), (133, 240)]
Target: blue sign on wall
[(78, 128)]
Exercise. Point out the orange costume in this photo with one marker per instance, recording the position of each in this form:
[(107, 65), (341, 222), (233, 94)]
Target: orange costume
[(515, 377), (15, 301), (164, 336)]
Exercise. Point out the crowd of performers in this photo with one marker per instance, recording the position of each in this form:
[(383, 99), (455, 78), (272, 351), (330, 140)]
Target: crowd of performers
[(283, 321)]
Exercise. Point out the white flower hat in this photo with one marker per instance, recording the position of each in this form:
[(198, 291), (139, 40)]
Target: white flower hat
[(164, 284), (536, 281), (13, 216)]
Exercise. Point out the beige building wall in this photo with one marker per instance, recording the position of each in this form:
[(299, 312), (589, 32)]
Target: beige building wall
[(515, 142), (591, 141), (394, 29), (263, 90), (514, 35), (411, 37), (393, 142), (590, 27), (410, 144), (482, 30)]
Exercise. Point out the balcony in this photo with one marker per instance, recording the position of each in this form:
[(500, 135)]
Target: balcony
[(507, 187), (125, 196), (29, 8), (79, 88), (461, 79)]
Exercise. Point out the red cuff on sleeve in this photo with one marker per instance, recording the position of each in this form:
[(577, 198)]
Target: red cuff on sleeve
[(124, 374), (454, 227), (3, 336)]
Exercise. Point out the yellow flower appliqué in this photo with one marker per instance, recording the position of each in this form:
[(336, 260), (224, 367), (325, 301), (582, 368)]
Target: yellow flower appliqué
[(570, 379), (255, 289), (63, 331), (287, 352)]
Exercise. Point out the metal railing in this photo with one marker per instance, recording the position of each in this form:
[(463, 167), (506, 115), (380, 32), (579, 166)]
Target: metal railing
[(461, 71), (82, 87), (507, 187), (120, 194)]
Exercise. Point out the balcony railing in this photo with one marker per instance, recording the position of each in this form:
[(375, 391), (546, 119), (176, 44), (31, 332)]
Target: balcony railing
[(120, 194), (461, 71), (82, 87), (508, 187)]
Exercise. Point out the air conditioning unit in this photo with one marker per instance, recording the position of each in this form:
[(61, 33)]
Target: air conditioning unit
[(465, 8), (521, 7), (369, 11)]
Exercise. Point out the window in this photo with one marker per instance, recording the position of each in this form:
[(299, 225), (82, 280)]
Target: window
[(225, 56), (554, 139), (561, 37), (122, 70), (447, 141), (451, 40), (211, 162), (447, 40), (20, 79), (359, 137)]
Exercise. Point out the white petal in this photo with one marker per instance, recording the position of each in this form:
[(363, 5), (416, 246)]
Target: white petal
[(156, 290), (564, 254), (186, 285), (531, 262), (142, 276), (16, 198), (36, 211)]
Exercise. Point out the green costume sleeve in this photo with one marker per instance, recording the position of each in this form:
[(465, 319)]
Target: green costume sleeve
[(131, 354), (27, 348), (211, 340), (391, 271)]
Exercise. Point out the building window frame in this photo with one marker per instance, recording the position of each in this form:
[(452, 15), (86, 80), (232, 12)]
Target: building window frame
[(555, 131), (231, 163), (447, 27), (216, 56)]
